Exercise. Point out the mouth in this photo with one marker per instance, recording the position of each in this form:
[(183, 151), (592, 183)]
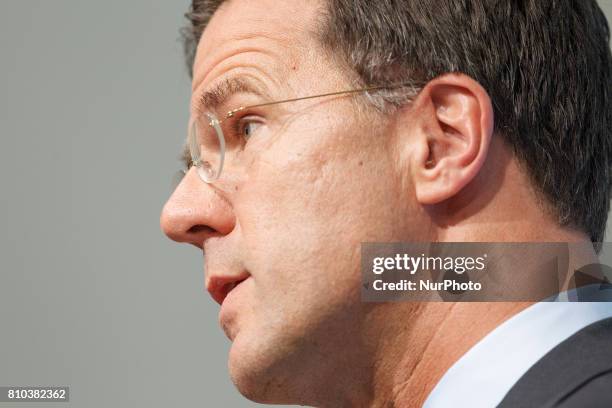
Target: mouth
[(226, 289), (220, 286), (230, 306)]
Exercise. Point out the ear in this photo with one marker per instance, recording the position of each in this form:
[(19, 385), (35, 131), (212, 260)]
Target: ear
[(454, 125)]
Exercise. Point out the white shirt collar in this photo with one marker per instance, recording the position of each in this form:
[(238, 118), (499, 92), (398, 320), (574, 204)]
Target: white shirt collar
[(483, 376)]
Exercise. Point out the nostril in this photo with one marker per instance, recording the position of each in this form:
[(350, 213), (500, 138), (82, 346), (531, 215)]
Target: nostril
[(199, 229)]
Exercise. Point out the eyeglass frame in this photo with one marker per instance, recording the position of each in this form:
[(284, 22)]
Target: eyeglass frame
[(216, 123)]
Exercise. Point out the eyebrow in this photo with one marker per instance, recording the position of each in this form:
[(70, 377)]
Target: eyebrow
[(220, 93)]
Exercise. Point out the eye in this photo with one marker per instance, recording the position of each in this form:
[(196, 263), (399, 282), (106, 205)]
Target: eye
[(248, 128)]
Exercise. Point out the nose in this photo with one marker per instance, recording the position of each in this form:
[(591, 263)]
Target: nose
[(196, 211)]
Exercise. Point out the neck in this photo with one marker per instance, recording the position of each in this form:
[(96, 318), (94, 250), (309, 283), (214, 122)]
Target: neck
[(426, 339), (459, 326)]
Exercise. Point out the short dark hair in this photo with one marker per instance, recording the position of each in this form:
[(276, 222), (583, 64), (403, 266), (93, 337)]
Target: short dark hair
[(546, 65)]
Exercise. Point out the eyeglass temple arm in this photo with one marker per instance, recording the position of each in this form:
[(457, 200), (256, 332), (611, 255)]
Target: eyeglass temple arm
[(371, 88)]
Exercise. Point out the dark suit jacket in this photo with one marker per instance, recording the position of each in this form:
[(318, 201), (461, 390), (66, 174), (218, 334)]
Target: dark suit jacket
[(575, 374)]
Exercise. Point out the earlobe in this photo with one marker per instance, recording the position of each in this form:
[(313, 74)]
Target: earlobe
[(455, 130)]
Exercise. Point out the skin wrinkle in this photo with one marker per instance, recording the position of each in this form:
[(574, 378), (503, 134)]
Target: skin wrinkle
[(236, 40), (227, 52), (399, 387)]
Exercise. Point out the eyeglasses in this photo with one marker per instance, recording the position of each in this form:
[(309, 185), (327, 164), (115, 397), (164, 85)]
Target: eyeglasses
[(209, 136)]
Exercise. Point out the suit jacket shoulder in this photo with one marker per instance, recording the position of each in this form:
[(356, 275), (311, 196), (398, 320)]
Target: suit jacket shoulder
[(576, 373)]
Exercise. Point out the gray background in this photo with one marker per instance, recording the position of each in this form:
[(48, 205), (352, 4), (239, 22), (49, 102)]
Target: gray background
[(93, 104)]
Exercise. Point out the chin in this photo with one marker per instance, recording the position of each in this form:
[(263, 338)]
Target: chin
[(261, 371), (252, 375)]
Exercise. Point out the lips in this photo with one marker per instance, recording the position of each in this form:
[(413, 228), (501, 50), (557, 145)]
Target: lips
[(219, 286), (231, 304)]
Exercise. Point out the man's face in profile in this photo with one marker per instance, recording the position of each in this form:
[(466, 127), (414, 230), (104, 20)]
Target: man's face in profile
[(281, 229)]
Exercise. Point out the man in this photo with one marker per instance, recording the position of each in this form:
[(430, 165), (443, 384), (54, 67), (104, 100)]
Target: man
[(484, 121)]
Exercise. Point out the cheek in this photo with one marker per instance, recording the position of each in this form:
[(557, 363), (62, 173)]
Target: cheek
[(305, 212)]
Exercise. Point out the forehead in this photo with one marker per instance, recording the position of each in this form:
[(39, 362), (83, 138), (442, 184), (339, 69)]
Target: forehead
[(269, 32)]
